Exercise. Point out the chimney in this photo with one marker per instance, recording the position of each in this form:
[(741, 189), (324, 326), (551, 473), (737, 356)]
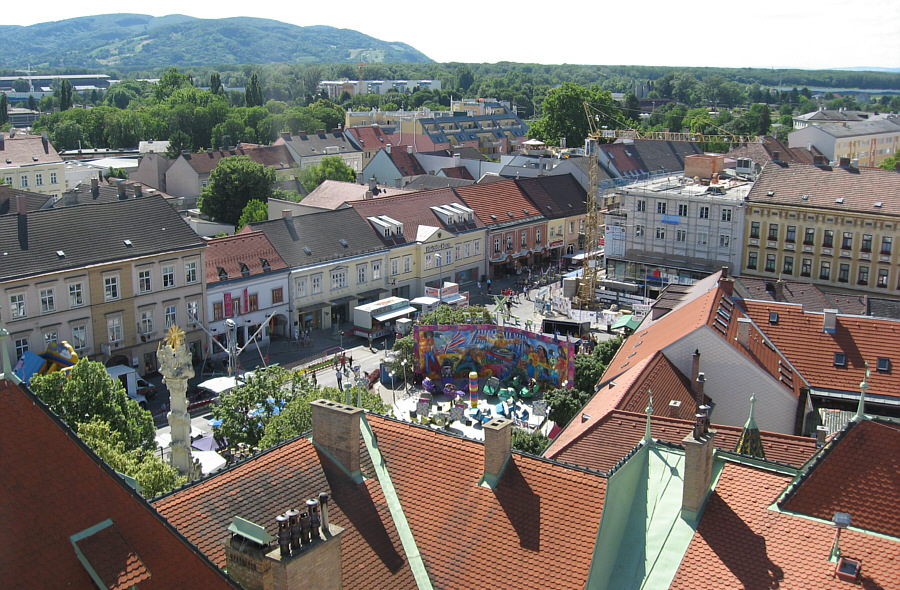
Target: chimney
[(286, 135), (829, 321), (286, 214), (821, 433), (776, 156), (359, 178), (727, 284), (675, 408), (698, 463), (819, 160), (844, 162), (373, 183), (368, 195), (456, 159), (409, 149), (779, 290), (120, 185), (398, 182), (95, 188), (138, 190), (336, 432), (497, 450), (2, 142), (699, 386), (695, 366), (743, 332), (45, 142), (22, 215), (387, 148)]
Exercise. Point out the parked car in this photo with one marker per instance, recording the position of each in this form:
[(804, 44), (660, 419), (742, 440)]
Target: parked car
[(148, 390)]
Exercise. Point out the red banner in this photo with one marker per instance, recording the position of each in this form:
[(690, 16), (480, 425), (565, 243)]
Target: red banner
[(228, 309)]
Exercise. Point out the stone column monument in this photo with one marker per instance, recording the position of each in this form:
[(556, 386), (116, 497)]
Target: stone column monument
[(175, 365)]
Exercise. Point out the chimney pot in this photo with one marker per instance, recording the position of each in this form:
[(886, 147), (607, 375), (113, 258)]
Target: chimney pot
[(829, 321), (293, 517), (821, 433), (336, 430), (284, 534), (497, 448), (675, 408), (373, 183), (286, 214), (323, 505), (409, 149), (695, 365), (369, 195)]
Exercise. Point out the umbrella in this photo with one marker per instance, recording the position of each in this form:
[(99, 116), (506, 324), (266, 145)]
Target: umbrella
[(215, 422), (207, 443)]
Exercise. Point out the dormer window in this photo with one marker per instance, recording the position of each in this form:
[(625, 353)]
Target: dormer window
[(265, 265), (245, 270), (223, 274)]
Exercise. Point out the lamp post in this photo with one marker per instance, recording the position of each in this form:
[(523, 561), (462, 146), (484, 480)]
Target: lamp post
[(405, 382), (393, 390), (342, 340)]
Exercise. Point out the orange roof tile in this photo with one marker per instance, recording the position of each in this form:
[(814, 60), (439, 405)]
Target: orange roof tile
[(502, 199), (26, 150), (249, 248), (275, 156), (406, 162), (859, 473), (741, 543), (59, 488)]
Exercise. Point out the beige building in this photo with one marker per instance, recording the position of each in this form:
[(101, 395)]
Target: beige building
[(29, 162), (867, 142), (833, 226)]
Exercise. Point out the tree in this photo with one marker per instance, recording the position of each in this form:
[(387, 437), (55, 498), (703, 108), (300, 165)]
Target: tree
[(331, 168), (587, 372), (4, 109), (890, 162), (446, 315), (286, 195), (565, 404), (464, 78), (215, 84), (65, 95), (564, 114), (253, 212), (631, 107), (87, 391), (152, 475), (171, 81), (233, 183), (404, 350), (254, 95), (116, 173), (21, 85), (179, 141), (533, 442)]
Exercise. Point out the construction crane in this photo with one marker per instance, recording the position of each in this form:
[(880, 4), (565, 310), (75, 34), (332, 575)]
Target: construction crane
[(587, 289)]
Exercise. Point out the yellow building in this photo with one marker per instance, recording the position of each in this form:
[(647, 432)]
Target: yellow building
[(30, 163), (833, 226)]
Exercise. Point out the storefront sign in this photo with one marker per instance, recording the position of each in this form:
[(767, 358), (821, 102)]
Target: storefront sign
[(556, 244), (436, 247)]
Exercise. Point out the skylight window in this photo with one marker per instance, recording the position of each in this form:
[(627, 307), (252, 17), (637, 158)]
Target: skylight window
[(60, 253), (879, 204), (307, 250), (839, 200), (127, 243), (344, 243), (773, 317), (840, 359), (884, 364)]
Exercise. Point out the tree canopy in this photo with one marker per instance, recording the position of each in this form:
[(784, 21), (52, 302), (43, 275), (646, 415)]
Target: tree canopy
[(235, 182), (253, 212), (331, 168), (564, 114)]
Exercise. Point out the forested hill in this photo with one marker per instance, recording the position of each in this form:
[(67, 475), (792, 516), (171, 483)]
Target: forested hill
[(133, 41)]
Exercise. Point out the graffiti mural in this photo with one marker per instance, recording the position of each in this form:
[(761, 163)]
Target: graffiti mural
[(493, 351)]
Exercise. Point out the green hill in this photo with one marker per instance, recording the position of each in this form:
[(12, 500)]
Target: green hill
[(134, 41)]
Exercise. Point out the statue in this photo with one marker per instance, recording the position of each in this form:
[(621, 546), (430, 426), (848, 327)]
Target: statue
[(175, 364)]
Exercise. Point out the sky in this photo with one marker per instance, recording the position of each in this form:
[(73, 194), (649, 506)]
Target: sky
[(760, 33)]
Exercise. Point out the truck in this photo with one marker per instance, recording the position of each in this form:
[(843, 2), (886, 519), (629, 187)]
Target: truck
[(129, 379)]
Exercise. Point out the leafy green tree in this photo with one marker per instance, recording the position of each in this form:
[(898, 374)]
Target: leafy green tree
[(4, 109), (331, 115), (404, 350), (65, 95), (631, 107), (171, 81), (253, 212), (533, 442), (253, 95), (605, 350), (446, 315), (152, 474), (21, 85), (179, 141), (331, 168), (587, 372), (565, 404), (233, 183), (32, 102), (890, 162), (88, 392), (215, 84), (124, 129), (564, 114), (286, 195), (464, 78), (116, 173)]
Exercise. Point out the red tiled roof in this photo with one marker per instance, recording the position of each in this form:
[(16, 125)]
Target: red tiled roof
[(858, 473), (798, 335), (114, 561), (761, 153), (249, 248), (406, 163), (274, 156), (623, 157), (285, 477), (26, 150), (370, 138), (458, 172), (809, 295), (741, 543), (497, 198), (53, 488)]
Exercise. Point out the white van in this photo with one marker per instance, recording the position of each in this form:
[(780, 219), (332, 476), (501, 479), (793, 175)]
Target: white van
[(128, 377)]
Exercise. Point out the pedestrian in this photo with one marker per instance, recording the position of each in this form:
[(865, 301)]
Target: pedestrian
[(489, 286), (370, 342), (350, 359), (340, 378), (479, 288), (315, 381), (335, 361), (343, 360)]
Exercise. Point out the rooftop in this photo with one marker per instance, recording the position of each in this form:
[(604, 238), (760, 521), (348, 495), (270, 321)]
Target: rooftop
[(247, 253)]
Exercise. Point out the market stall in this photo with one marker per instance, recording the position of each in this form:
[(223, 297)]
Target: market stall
[(374, 320)]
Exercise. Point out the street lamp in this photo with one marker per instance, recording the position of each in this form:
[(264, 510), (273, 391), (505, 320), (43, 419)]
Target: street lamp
[(405, 382), (393, 390)]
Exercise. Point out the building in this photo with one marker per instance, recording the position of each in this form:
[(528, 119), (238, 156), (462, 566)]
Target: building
[(866, 142), (563, 201), (637, 158), (336, 262), (673, 230), (842, 115), (834, 226), (109, 278), (308, 149), (394, 166), (29, 162), (751, 157)]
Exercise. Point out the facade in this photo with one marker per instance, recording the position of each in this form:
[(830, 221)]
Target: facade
[(867, 142), (563, 201), (108, 278), (834, 116), (308, 149), (188, 175), (674, 231), (29, 162), (394, 166), (834, 226)]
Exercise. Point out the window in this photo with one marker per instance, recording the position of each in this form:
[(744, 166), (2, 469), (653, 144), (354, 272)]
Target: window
[(581, 225), (703, 212), (218, 311), (48, 301), (866, 245), (171, 317), (773, 231), (338, 278), (17, 305), (21, 347), (682, 210), (571, 227), (825, 271), (477, 247), (844, 273), (641, 205), (79, 337), (847, 241), (39, 179), (752, 260), (316, 284), (886, 243), (726, 214), (429, 260), (638, 231), (805, 267), (448, 260), (144, 281), (523, 238), (168, 276), (882, 278), (791, 235), (770, 263), (395, 266), (146, 321), (702, 238), (788, 267), (754, 229), (884, 364), (840, 359), (51, 337), (828, 239), (537, 236), (680, 235), (457, 251), (407, 263), (724, 240), (468, 249), (190, 272), (111, 288), (863, 276), (660, 207), (660, 233), (277, 295), (809, 237), (252, 302), (509, 241), (114, 329), (376, 270), (497, 245), (24, 180), (9, 180), (53, 178), (300, 287)]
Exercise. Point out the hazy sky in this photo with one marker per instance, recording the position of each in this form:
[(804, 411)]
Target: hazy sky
[(761, 33)]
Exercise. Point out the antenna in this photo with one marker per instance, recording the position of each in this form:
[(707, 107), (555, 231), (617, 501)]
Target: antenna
[(29, 71)]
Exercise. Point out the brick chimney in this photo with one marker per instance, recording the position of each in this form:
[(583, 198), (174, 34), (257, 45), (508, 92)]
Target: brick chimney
[(497, 449), (819, 160), (779, 290), (698, 463), (120, 186), (829, 321), (695, 366), (373, 184), (726, 282), (699, 386), (336, 432), (369, 195), (675, 408), (844, 162), (743, 332), (138, 190)]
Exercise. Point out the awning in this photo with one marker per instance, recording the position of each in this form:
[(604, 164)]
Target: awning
[(395, 313), (627, 321), (341, 300), (424, 300), (210, 461), (583, 255), (451, 299), (368, 294)]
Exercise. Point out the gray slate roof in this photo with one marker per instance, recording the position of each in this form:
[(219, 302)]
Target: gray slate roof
[(428, 182), (322, 234), (90, 234)]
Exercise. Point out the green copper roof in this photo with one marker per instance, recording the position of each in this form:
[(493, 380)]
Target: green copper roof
[(749, 442)]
